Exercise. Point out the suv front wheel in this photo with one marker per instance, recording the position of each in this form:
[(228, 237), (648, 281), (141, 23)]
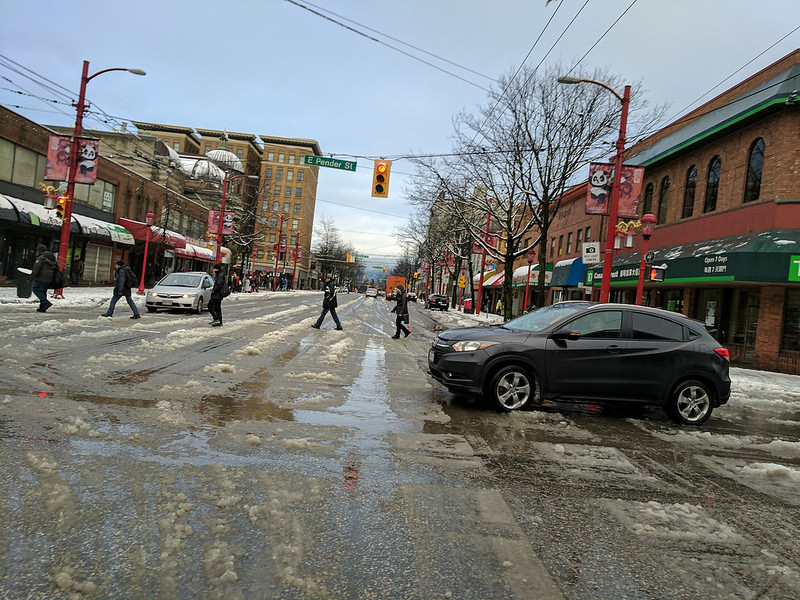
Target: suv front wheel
[(511, 388)]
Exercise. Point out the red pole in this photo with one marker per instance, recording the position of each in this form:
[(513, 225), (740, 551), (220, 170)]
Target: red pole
[(149, 221), (483, 263), (296, 251), (277, 254), (63, 245), (222, 215), (253, 272), (648, 222), (605, 287), (527, 285)]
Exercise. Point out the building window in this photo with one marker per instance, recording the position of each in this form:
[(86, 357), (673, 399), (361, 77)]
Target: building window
[(647, 205), (688, 192), (578, 241), (28, 168), (663, 200), (176, 146), (588, 235), (289, 175), (293, 240), (277, 190), (285, 207), (268, 173), (281, 157), (265, 205), (273, 222), (239, 153), (755, 166), (271, 156), (276, 206), (790, 338), (272, 238), (569, 243), (278, 173), (208, 149), (291, 159), (266, 190), (288, 192), (552, 247), (712, 186), (300, 175), (295, 223), (297, 209), (560, 244), (298, 192)]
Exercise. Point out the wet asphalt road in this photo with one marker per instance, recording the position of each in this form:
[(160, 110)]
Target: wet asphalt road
[(162, 458)]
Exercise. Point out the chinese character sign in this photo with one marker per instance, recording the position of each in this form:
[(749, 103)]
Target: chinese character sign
[(598, 196), (213, 222)]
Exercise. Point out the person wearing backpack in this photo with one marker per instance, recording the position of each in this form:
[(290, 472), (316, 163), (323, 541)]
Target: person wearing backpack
[(218, 292), (42, 276), (124, 279)]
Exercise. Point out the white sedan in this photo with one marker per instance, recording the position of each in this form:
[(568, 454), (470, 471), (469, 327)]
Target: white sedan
[(187, 291)]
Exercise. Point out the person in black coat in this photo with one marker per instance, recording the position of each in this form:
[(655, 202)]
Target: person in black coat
[(401, 309), (124, 281), (218, 292), (329, 303), (42, 276)]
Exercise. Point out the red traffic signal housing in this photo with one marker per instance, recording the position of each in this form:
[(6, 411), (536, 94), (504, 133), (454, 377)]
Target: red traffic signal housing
[(380, 178), (655, 273)]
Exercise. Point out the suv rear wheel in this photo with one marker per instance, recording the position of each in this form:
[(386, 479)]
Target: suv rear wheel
[(512, 388), (690, 403)]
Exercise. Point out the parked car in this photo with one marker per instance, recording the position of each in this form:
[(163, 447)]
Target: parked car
[(186, 290), (411, 296), (596, 352), (372, 292), (439, 301)]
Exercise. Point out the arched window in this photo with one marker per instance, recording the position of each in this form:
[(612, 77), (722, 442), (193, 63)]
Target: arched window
[(755, 165), (712, 185), (663, 200), (648, 199), (688, 192)]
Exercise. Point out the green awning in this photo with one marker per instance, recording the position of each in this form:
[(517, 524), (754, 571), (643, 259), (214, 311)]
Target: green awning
[(763, 257)]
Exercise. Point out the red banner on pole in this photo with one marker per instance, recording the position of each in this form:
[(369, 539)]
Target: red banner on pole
[(598, 196), (629, 191), (57, 158), (213, 222), (87, 161)]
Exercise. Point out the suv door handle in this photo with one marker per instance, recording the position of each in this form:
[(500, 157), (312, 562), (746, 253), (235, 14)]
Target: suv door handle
[(614, 348)]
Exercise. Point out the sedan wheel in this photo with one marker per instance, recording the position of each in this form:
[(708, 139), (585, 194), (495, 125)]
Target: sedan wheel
[(511, 388), (690, 403), (199, 305)]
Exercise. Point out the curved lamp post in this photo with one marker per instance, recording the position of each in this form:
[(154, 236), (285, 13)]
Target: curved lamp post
[(73, 158), (648, 224), (605, 286), (225, 181), (149, 220)]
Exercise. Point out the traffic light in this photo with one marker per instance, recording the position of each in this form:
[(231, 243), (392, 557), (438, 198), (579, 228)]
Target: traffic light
[(384, 269), (380, 178), (61, 207), (655, 273)]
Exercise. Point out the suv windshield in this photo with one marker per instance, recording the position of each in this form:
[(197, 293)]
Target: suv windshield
[(181, 280), (542, 318)]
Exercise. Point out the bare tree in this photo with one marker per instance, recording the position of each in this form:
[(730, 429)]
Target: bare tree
[(524, 150)]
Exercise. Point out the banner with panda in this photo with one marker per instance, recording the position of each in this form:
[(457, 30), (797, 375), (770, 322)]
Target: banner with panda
[(598, 195)]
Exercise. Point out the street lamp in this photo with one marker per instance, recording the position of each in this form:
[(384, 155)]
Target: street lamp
[(648, 224), (225, 181), (296, 253), (605, 286), (149, 220), (73, 158)]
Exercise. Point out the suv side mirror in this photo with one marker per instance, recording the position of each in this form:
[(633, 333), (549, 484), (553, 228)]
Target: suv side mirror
[(565, 334)]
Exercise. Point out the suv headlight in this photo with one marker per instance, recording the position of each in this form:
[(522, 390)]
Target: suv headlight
[(470, 346)]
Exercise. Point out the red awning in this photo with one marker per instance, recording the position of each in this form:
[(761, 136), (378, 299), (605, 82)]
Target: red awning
[(139, 230), (495, 280)]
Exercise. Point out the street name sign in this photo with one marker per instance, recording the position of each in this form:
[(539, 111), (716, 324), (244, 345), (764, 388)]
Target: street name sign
[(333, 163)]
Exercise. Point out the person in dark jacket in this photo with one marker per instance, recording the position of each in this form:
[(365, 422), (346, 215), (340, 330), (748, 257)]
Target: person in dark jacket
[(329, 303), (218, 292), (42, 276), (124, 280), (401, 309)]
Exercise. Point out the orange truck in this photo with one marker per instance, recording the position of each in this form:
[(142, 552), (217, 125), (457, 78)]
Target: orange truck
[(392, 282)]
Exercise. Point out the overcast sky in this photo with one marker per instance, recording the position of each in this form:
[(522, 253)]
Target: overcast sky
[(271, 67)]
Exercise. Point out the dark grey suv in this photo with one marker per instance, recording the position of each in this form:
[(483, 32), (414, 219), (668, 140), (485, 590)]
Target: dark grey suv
[(598, 352)]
